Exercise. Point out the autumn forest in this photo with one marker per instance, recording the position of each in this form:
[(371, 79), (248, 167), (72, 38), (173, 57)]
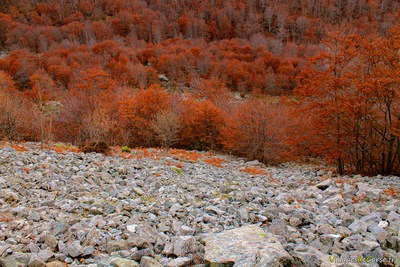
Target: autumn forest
[(277, 81)]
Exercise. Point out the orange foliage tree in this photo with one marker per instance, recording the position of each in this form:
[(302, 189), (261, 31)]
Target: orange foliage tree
[(201, 123), (212, 90), (17, 116), (324, 84), (138, 112), (352, 94), (43, 89), (257, 130), (166, 127), (91, 98)]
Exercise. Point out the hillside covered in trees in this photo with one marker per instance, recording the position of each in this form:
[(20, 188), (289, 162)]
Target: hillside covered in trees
[(267, 80)]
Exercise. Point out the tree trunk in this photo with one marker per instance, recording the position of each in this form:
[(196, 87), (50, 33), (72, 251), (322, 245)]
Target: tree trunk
[(340, 166)]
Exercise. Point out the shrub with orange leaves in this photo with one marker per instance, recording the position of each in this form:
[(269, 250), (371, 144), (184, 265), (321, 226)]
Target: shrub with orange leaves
[(17, 116), (151, 153), (217, 162), (19, 148), (392, 191), (57, 149), (257, 130), (186, 155), (137, 114), (74, 149), (179, 165), (201, 124), (6, 217), (61, 148), (254, 170), (212, 90), (90, 110)]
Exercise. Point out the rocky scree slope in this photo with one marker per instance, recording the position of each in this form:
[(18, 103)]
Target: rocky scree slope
[(152, 208)]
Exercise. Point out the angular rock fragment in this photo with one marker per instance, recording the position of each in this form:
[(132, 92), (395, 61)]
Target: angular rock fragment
[(179, 262), (184, 245), (245, 246), (119, 262), (149, 262)]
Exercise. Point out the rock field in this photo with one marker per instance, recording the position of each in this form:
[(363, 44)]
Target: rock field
[(151, 208)]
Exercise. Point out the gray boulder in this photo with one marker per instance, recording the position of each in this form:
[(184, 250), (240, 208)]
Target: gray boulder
[(149, 262), (324, 184), (35, 261), (119, 262), (246, 246), (179, 262), (184, 245), (75, 249)]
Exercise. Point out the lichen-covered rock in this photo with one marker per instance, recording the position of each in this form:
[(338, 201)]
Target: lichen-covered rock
[(184, 245), (35, 261), (179, 262), (334, 202), (116, 245), (55, 264), (366, 246), (60, 228), (149, 262), (119, 262), (75, 249), (45, 254), (245, 246)]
